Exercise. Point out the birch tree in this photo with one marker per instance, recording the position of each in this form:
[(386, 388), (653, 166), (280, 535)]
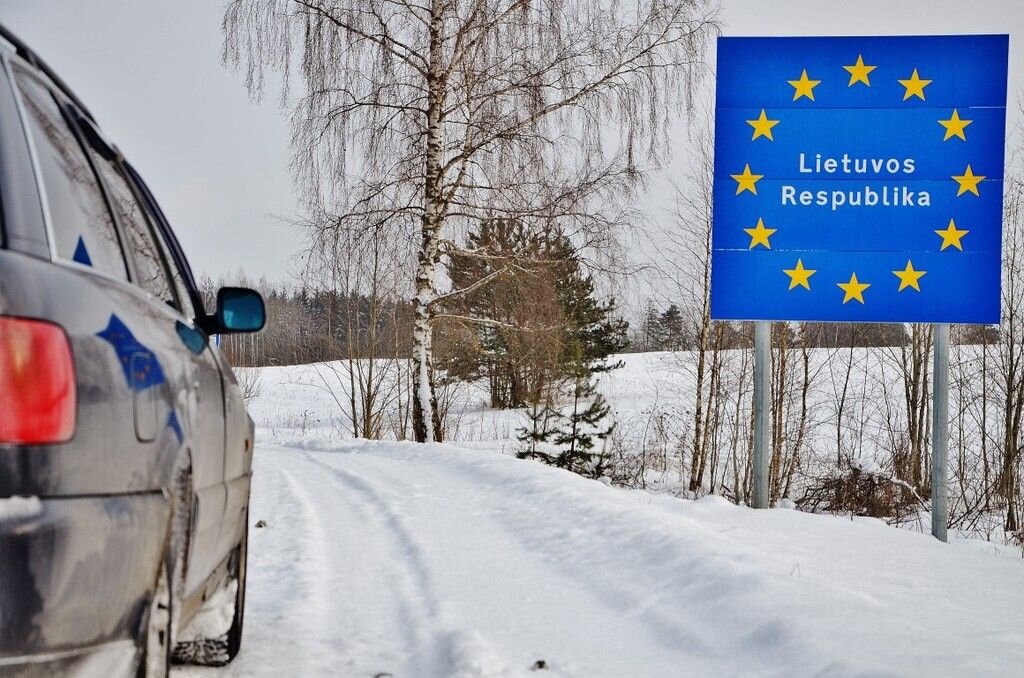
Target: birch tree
[(434, 114), (1010, 352)]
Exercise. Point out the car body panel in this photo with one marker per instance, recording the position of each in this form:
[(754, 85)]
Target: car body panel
[(76, 571), (102, 337), (117, 658)]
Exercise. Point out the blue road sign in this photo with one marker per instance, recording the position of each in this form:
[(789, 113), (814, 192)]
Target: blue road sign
[(859, 179)]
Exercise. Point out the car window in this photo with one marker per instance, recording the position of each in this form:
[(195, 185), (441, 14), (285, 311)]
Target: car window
[(184, 299), (180, 272), (149, 259), (83, 229), (187, 309)]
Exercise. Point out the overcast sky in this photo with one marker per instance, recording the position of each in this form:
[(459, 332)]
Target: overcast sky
[(150, 72)]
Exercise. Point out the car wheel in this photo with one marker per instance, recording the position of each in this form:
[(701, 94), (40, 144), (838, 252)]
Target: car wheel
[(235, 632)]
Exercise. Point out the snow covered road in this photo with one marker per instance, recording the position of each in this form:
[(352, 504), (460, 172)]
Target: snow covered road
[(384, 559)]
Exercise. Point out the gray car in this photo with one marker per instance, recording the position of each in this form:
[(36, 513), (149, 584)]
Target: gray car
[(125, 446)]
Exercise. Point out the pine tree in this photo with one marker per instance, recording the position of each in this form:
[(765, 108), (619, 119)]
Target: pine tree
[(541, 303), (649, 331), (670, 326), (593, 331), (577, 429), (538, 432), (551, 334)]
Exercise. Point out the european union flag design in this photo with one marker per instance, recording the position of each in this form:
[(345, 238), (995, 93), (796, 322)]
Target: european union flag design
[(859, 179), (140, 366), (175, 426), (81, 254)]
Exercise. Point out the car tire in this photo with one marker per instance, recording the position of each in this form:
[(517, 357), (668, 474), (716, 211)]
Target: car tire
[(235, 632)]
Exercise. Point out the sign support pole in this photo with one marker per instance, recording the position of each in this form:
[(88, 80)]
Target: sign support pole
[(762, 367), (940, 434)]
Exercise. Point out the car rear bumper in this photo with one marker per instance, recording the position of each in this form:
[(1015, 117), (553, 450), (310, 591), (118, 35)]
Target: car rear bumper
[(110, 659), (75, 579)]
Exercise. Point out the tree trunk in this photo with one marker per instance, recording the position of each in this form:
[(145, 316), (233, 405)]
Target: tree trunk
[(795, 461), (699, 451), (426, 423)]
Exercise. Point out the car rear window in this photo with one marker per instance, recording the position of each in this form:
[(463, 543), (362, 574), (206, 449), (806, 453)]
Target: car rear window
[(82, 227)]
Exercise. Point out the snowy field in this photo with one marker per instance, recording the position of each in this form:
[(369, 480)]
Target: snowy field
[(855, 413), (396, 560)]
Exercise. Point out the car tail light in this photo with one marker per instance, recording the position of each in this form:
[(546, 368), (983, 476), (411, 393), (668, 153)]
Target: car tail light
[(37, 383)]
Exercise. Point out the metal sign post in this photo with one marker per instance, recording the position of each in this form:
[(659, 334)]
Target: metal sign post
[(940, 434), (762, 408)]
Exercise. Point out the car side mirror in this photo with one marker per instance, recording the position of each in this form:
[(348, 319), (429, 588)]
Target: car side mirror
[(238, 310)]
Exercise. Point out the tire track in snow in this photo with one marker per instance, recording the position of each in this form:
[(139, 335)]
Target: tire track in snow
[(317, 573), (508, 518), (423, 628), (556, 526), (507, 584), (380, 586), (421, 541)]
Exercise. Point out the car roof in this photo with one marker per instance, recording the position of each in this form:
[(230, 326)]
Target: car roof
[(31, 57)]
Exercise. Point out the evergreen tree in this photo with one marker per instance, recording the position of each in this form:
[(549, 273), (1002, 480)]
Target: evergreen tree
[(567, 437), (592, 330), (670, 329), (541, 302), (650, 329), (537, 434), (551, 334), (577, 429)]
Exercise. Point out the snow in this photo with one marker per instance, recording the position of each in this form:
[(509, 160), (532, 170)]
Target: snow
[(433, 561), (215, 617), (20, 508), (652, 400), (400, 560)]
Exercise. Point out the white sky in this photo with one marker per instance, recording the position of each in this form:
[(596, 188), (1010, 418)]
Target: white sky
[(151, 74)]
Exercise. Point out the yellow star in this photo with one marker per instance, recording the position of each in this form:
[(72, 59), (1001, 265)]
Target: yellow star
[(955, 126), (763, 126), (859, 72), (914, 86), (951, 236), (804, 87), (909, 277), (799, 276), (968, 182), (747, 181), (759, 235), (854, 289)]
